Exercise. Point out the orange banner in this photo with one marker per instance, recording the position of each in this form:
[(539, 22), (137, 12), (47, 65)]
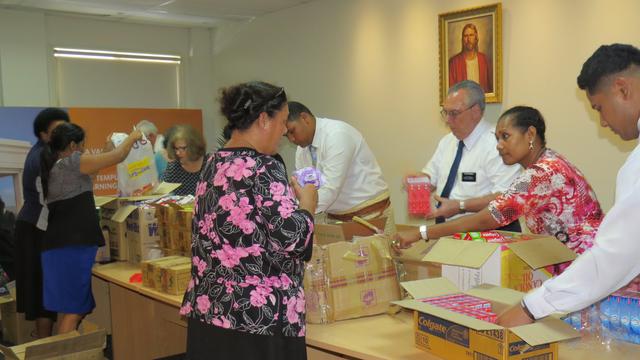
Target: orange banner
[(98, 123)]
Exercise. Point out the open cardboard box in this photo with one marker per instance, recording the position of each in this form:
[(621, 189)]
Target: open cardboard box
[(452, 335), (518, 265), (69, 346), (350, 274), (415, 267), (114, 212)]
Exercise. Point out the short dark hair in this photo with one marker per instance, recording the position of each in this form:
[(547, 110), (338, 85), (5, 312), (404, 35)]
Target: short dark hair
[(523, 117), (61, 137), (297, 108), (46, 117), (242, 104), (607, 60)]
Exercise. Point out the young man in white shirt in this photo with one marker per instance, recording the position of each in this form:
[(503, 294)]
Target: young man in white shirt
[(354, 183), (611, 79), (481, 174)]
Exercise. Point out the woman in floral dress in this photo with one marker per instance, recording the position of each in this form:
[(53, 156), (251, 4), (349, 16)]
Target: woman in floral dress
[(252, 232), (551, 193)]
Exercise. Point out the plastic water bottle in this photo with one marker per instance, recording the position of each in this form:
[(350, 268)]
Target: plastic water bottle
[(625, 319)]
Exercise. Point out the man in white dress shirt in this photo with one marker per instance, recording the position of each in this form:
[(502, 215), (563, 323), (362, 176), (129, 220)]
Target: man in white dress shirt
[(354, 184), (466, 172), (611, 79)]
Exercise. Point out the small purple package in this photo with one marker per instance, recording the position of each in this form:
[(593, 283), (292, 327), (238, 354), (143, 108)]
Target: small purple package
[(309, 175)]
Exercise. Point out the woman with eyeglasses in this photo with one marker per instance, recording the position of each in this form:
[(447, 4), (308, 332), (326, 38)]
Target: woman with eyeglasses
[(252, 232), (551, 194), (186, 147)]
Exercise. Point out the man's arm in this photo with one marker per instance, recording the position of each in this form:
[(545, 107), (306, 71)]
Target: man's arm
[(611, 263), (451, 207)]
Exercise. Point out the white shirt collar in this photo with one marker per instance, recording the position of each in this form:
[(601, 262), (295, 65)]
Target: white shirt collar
[(317, 135), (475, 135)]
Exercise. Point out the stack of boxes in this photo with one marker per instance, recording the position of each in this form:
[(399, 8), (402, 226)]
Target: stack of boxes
[(169, 274), (175, 215)]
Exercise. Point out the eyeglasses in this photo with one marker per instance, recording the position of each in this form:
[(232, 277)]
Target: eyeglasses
[(179, 148), (454, 113)]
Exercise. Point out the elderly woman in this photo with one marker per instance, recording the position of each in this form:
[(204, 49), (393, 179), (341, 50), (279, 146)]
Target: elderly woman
[(187, 146), (552, 194), (251, 237)]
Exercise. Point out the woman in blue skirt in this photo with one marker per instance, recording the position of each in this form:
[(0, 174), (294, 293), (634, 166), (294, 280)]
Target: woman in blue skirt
[(73, 235)]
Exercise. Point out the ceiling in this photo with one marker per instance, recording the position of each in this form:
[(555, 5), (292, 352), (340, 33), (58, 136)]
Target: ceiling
[(197, 13)]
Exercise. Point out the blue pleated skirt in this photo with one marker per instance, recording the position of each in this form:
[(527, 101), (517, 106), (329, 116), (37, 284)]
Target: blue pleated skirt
[(66, 274)]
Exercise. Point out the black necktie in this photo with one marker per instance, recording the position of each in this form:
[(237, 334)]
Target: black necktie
[(451, 178)]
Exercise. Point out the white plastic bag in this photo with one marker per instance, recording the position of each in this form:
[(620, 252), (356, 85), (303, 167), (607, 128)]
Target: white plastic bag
[(137, 174)]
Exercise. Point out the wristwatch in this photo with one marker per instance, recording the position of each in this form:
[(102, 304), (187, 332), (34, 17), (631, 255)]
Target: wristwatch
[(462, 208), (423, 232)]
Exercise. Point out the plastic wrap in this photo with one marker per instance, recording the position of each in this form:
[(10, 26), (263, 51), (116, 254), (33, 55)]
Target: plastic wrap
[(346, 280)]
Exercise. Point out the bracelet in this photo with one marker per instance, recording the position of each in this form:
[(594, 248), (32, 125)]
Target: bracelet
[(526, 310)]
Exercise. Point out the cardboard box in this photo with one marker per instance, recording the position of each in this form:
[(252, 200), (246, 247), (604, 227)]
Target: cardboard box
[(15, 328), (413, 267), (330, 233), (452, 335), (114, 212), (346, 280), (148, 266), (156, 270), (142, 234), (518, 265), (175, 278), (69, 346)]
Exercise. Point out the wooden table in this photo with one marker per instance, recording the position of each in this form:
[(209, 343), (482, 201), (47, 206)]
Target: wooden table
[(146, 325)]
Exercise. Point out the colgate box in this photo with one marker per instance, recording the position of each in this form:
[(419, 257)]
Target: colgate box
[(351, 273), (517, 263), (452, 335)]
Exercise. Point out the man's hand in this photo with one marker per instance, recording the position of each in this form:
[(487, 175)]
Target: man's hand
[(447, 209), (514, 316)]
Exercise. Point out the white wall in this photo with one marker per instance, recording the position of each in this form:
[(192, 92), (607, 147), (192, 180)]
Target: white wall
[(374, 64), (27, 71)]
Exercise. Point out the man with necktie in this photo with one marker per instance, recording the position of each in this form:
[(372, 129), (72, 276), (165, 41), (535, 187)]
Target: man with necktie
[(466, 172), (354, 184)]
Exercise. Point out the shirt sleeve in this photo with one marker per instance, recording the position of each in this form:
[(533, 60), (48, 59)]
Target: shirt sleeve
[(611, 263), (337, 155), (509, 205), (290, 228)]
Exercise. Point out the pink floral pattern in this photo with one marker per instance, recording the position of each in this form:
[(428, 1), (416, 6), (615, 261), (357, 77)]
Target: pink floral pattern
[(250, 244), (555, 199)]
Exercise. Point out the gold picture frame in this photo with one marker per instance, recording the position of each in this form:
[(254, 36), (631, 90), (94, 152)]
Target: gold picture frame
[(480, 54)]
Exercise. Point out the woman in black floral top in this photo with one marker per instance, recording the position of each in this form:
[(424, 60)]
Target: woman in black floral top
[(252, 232)]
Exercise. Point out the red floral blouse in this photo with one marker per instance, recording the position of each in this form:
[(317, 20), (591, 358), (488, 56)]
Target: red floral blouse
[(555, 199)]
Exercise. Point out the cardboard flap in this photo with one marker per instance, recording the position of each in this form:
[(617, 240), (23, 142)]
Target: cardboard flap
[(542, 252), (545, 331), (75, 344), (415, 253), (163, 189), (447, 315), (8, 353), (123, 212), (103, 200), (18, 351), (419, 289), (471, 254), (496, 294)]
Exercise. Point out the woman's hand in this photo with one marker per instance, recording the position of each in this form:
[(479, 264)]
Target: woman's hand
[(307, 195), (405, 239)]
